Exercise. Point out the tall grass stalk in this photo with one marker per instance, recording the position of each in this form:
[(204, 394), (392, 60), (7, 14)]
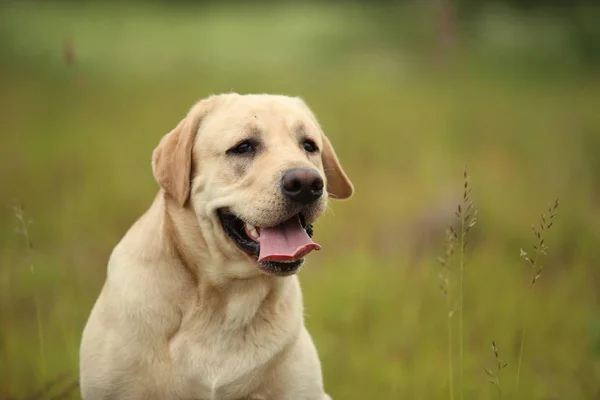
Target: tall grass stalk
[(445, 288), (494, 379), (460, 302), (23, 230), (450, 358), (467, 215), (536, 270)]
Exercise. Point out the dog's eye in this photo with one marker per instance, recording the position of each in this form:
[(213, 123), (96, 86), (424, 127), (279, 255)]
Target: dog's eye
[(309, 146), (247, 147)]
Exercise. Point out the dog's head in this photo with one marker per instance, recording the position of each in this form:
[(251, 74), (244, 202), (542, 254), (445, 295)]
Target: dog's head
[(256, 170)]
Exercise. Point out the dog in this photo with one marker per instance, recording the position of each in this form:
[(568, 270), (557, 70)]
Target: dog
[(201, 299)]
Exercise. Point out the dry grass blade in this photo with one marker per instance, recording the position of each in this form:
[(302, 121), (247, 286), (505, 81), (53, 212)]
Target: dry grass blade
[(540, 248), (24, 222), (444, 282), (467, 217), (494, 378), (444, 260), (23, 230)]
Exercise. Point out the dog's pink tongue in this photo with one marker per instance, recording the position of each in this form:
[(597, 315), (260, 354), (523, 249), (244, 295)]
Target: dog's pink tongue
[(285, 242)]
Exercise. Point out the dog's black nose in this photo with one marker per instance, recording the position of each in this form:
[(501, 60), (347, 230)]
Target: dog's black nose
[(302, 185)]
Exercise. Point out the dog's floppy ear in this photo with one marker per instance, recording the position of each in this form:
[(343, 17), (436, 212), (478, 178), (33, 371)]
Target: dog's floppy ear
[(338, 183), (172, 158)]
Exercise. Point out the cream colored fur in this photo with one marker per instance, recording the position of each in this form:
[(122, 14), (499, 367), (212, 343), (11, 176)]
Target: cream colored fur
[(183, 313)]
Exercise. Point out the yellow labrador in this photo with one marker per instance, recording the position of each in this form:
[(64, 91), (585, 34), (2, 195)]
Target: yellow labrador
[(201, 300)]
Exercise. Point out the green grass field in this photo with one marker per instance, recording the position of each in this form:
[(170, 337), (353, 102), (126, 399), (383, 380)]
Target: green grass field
[(76, 143)]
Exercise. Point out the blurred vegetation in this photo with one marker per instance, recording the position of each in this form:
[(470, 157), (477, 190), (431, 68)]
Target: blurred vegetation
[(408, 92)]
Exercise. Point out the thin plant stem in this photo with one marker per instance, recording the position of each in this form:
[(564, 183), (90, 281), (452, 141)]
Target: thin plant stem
[(40, 338), (536, 270), (498, 385), (494, 378), (520, 360), (460, 302), (450, 367), (499, 389), (23, 230), (467, 215), (445, 288), (524, 327)]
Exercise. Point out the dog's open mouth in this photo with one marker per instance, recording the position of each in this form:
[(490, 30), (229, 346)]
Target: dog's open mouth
[(279, 250)]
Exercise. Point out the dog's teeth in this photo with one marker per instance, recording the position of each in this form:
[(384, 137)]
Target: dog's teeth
[(252, 231)]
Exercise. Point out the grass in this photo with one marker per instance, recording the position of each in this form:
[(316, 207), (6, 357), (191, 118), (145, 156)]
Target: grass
[(23, 230), (467, 216), (76, 143), (536, 271), (445, 288), (494, 378)]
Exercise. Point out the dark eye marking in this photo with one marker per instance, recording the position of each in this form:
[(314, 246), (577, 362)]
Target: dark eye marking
[(245, 148), (309, 146)]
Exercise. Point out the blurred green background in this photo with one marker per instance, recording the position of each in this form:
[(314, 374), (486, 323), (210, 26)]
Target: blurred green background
[(408, 92)]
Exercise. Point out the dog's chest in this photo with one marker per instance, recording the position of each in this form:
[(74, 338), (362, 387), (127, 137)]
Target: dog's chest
[(226, 355), (215, 369)]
